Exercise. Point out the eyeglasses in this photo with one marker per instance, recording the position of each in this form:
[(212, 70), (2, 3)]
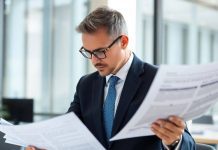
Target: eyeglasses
[(99, 53)]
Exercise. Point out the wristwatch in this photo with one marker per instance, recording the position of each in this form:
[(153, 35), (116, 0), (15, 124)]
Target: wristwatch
[(173, 145)]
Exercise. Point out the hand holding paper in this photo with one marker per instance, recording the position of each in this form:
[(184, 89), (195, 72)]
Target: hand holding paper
[(169, 130)]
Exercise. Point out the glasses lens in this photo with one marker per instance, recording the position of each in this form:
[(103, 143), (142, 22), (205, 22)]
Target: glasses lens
[(86, 53), (100, 53)]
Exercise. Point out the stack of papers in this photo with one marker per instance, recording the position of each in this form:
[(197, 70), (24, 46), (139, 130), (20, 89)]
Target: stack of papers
[(64, 132)]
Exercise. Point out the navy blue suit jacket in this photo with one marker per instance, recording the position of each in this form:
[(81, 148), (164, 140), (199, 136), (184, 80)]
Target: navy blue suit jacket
[(88, 106)]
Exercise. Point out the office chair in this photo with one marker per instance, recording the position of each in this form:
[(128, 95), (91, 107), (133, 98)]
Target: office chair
[(204, 147)]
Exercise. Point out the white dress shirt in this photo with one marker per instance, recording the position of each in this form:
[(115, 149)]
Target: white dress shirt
[(122, 73)]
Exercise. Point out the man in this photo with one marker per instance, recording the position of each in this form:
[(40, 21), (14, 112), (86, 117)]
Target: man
[(105, 41)]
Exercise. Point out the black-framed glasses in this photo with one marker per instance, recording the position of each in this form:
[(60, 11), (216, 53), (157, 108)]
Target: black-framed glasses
[(100, 53)]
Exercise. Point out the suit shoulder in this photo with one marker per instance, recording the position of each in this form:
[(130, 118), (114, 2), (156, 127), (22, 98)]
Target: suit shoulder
[(150, 70), (89, 77), (150, 67), (146, 67)]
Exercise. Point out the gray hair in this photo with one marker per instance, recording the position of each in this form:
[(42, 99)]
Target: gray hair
[(104, 17)]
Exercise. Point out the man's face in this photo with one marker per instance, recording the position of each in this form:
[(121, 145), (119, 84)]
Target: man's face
[(115, 56)]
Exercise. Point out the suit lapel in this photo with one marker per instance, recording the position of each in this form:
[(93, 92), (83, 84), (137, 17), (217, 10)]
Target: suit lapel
[(130, 87), (98, 98)]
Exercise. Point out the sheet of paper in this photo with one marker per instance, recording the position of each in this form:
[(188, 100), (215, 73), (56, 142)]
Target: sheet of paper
[(64, 132), (9, 139), (13, 140), (185, 91), (4, 122)]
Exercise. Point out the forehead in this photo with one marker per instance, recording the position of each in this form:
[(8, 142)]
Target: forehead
[(99, 39)]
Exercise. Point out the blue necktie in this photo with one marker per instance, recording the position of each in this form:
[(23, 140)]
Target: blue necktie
[(109, 106)]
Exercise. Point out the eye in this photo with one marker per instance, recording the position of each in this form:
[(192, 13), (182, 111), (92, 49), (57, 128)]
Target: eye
[(98, 52)]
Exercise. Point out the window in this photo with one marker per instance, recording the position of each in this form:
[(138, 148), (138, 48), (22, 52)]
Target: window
[(186, 24), (188, 38), (42, 52)]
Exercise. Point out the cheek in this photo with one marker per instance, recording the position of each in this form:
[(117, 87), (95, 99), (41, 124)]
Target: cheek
[(113, 59), (93, 61), (117, 57)]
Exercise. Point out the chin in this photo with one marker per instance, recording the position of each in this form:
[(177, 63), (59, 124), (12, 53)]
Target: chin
[(102, 73)]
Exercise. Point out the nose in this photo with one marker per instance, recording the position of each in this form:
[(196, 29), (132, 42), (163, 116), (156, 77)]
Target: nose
[(95, 59)]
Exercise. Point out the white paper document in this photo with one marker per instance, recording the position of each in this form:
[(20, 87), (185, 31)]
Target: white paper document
[(64, 132), (4, 122), (185, 91)]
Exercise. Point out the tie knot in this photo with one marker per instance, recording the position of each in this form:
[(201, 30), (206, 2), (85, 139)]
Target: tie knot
[(113, 80)]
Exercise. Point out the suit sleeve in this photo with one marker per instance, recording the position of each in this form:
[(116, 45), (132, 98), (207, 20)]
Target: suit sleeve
[(188, 142), (75, 104)]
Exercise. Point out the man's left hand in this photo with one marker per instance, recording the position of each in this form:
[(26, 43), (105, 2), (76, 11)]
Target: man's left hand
[(169, 130)]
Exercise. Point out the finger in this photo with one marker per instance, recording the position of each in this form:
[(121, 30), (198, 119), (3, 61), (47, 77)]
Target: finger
[(177, 121), (166, 139), (176, 130), (165, 132)]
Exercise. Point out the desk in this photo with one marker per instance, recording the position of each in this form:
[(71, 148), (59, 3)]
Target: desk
[(207, 134), (205, 140)]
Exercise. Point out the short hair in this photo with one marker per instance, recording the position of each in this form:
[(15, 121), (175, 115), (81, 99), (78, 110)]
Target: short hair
[(104, 17)]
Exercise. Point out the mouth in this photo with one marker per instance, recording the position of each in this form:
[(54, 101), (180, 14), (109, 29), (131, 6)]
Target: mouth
[(100, 66)]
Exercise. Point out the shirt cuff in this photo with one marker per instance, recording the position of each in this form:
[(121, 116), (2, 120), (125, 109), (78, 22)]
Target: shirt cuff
[(176, 148)]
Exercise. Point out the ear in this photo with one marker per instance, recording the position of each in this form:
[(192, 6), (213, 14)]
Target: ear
[(124, 41)]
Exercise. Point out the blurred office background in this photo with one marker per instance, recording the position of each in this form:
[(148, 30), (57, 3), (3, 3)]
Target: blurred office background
[(39, 56)]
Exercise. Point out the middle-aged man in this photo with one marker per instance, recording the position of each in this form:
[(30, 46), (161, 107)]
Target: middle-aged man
[(107, 99)]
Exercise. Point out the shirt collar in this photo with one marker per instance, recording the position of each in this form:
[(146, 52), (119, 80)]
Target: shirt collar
[(122, 73)]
